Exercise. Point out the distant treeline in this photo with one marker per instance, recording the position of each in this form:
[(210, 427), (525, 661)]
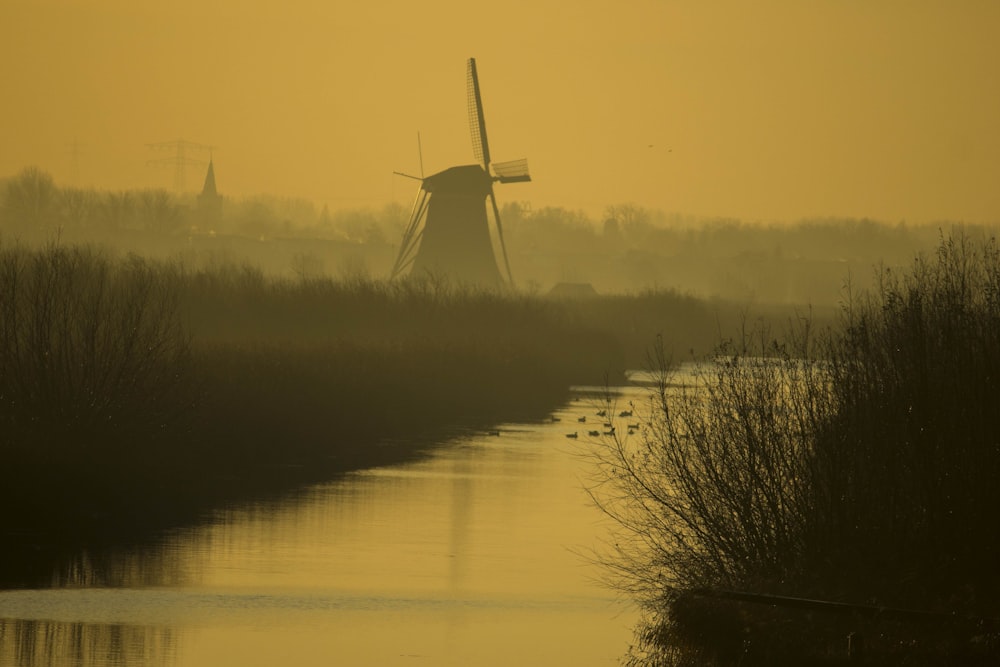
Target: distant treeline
[(632, 248), (628, 248), (33, 204)]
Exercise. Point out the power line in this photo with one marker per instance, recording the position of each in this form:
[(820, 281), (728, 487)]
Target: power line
[(180, 160)]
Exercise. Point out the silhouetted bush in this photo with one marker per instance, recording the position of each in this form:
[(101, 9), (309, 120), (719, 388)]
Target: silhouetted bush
[(859, 467), (91, 350), (711, 491), (904, 473)]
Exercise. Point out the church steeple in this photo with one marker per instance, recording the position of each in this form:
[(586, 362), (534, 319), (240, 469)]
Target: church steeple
[(209, 189), (209, 201)]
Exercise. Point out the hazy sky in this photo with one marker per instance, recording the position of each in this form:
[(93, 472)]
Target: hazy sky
[(763, 110)]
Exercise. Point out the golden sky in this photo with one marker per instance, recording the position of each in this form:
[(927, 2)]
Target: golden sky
[(763, 110)]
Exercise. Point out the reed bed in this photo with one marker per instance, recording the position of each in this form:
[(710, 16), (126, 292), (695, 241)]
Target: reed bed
[(138, 395)]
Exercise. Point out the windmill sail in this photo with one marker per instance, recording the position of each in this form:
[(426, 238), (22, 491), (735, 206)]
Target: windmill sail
[(477, 121), (514, 171)]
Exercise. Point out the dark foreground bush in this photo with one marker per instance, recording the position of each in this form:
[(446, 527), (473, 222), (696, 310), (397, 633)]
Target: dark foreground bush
[(858, 469), (91, 351)]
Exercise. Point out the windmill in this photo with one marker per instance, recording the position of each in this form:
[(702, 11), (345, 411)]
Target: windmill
[(448, 231)]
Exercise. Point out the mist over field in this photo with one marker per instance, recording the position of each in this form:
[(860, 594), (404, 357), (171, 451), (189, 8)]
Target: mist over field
[(625, 249)]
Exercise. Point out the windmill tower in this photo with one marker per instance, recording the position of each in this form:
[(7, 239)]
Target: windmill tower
[(448, 232)]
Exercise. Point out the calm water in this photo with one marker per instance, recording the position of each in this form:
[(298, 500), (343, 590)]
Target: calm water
[(471, 557)]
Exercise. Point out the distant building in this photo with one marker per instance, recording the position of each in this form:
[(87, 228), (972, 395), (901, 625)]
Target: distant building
[(209, 201)]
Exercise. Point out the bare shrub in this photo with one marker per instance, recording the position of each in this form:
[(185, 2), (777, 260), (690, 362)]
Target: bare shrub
[(90, 347), (711, 491), (861, 469)]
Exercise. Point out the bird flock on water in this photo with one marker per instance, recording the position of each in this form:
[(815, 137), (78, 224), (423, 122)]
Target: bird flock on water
[(607, 430)]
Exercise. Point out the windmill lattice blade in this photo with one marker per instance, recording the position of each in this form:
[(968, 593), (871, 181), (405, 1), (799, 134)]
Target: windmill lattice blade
[(477, 123), (412, 235), (503, 245), (420, 154)]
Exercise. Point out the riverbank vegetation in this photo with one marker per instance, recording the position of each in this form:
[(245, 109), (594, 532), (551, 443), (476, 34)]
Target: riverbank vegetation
[(136, 395), (825, 496)]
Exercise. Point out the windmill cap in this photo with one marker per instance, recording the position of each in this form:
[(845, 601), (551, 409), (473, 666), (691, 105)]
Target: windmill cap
[(467, 179)]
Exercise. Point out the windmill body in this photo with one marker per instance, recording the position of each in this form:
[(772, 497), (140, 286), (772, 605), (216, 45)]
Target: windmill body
[(456, 235), (449, 233)]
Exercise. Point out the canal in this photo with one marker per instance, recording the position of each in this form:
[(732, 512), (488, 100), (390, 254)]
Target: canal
[(476, 554)]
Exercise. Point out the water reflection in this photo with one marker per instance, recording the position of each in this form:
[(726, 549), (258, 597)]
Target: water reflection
[(467, 557), (461, 517), (159, 563), (33, 643)]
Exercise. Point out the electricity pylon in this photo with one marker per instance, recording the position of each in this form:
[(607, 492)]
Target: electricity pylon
[(180, 159)]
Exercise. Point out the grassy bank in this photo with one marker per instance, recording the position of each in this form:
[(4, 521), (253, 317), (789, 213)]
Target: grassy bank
[(809, 495), (136, 396)]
